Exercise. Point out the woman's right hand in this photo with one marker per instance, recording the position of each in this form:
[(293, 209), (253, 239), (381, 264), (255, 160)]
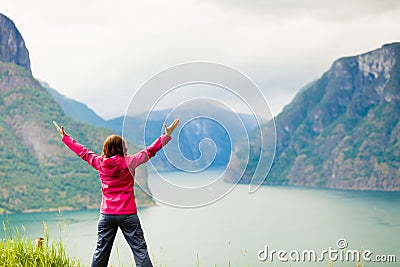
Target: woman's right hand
[(60, 130)]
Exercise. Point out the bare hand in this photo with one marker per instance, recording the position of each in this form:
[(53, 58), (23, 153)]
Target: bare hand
[(60, 130), (169, 129)]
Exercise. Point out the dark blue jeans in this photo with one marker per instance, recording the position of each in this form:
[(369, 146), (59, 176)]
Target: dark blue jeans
[(130, 226)]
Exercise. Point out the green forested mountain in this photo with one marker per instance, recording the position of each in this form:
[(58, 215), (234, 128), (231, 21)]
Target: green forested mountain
[(342, 130), (37, 171)]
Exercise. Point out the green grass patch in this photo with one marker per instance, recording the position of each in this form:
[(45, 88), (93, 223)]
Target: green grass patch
[(17, 250)]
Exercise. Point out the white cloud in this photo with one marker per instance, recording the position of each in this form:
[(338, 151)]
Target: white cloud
[(100, 52)]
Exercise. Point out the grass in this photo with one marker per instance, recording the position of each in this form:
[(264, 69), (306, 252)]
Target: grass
[(17, 250)]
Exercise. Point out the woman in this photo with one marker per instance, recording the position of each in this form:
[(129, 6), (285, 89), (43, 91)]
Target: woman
[(118, 207)]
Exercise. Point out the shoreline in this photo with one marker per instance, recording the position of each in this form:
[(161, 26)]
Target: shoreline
[(62, 209)]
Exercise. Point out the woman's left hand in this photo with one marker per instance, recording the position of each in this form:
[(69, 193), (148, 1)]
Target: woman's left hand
[(169, 129)]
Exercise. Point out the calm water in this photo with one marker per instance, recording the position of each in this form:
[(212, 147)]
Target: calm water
[(236, 227)]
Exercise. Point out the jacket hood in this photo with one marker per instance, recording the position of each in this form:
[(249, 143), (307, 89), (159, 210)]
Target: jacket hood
[(113, 166)]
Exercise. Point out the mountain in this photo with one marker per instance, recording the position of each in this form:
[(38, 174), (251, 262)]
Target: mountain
[(199, 126), (12, 45), (190, 137), (76, 110), (37, 171), (342, 130)]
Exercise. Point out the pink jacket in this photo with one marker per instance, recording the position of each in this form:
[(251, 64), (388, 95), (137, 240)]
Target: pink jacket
[(117, 174)]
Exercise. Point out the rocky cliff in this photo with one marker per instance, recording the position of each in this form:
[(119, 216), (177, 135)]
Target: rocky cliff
[(342, 130), (12, 45)]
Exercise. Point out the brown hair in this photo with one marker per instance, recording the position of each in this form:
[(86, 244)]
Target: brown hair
[(114, 145)]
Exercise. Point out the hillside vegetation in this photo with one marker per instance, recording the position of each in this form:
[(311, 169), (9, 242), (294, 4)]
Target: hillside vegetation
[(37, 171), (342, 130)]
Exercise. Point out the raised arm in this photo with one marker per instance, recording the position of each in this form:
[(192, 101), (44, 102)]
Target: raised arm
[(89, 156)]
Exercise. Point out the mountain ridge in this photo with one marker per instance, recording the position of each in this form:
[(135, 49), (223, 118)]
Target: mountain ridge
[(37, 171), (189, 143), (342, 130), (12, 45), (75, 109)]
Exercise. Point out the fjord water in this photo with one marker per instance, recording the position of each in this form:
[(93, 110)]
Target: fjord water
[(235, 228)]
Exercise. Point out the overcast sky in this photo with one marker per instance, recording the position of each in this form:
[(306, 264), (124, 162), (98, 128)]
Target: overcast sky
[(99, 52)]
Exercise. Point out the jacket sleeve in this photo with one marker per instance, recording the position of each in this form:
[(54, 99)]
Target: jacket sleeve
[(147, 153), (89, 156)]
